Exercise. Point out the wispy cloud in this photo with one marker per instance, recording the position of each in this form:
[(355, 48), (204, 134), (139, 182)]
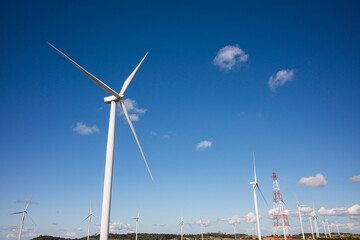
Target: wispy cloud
[(317, 181), (26, 201), (159, 225), (133, 110), (205, 223), (204, 144), (70, 234), (118, 226), (280, 78), (355, 178), (233, 219), (230, 57), (82, 129)]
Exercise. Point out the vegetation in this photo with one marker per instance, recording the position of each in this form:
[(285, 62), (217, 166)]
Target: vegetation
[(207, 236)]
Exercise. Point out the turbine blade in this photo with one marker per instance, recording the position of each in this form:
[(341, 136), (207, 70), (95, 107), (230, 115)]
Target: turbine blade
[(27, 205), (85, 218), (136, 139), (261, 194), (31, 218), (131, 76), (285, 204), (254, 168), (92, 77), (94, 215), (16, 213)]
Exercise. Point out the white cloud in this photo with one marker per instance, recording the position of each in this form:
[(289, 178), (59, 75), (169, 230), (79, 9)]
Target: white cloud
[(11, 235), (198, 222), (229, 57), (133, 110), (341, 211), (317, 181), (346, 226), (26, 201), (355, 178), (118, 226), (159, 225), (280, 78), (204, 144), (70, 234), (250, 217), (233, 219), (82, 129)]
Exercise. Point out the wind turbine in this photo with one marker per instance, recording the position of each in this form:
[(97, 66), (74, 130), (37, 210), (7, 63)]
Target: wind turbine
[(337, 227), (89, 217), (112, 100), (181, 224), (202, 229), (23, 218), (323, 223), (327, 223), (136, 225), (234, 229), (301, 223), (314, 215), (256, 185), (312, 230)]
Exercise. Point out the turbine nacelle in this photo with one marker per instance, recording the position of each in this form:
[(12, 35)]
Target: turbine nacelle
[(109, 99)]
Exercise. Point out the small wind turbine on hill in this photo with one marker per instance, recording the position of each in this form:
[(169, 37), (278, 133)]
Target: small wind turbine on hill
[(181, 224), (315, 217), (256, 185), (112, 100), (23, 218), (202, 229), (327, 223), (234, 230), (136, 225), (311, 226), (89, 217), (301, 223), (323, 223)]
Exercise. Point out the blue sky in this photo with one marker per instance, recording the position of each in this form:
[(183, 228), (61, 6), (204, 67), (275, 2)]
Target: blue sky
[(206, 78)]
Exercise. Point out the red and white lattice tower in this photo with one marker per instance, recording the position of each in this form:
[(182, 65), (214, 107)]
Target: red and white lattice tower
[(280, 218)]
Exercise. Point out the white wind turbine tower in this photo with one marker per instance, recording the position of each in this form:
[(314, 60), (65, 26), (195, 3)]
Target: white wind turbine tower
[(136, 225), (327, 223), (300, 217), (112, 100), (256, 185), (314, 215), (89, 217), (23, 218), (337, 227), (234, 225), (181, 224), (311, 226), (323, 223), (202, 229)]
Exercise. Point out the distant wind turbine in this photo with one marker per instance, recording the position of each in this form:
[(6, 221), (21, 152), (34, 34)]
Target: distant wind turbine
[(116, 97), (301, 223), (23, 218), (327, 223), (312, 230), (202, 229), (89, 217), (136, 225), (315, 217), (256, 185), (337, 227), (181, 224), (323, 223), (234, 230)]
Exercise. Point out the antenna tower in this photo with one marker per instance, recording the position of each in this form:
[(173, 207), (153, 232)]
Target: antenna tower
[(280, 218)]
